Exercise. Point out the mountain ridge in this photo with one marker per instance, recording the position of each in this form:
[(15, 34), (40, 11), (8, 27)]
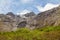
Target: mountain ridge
[(10, 21)]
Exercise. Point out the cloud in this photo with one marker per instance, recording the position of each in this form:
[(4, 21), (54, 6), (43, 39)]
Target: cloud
[(47, 7), (24, 12), (18, 5), (8, 6), (12, 5), (5, 5), (27, 1)]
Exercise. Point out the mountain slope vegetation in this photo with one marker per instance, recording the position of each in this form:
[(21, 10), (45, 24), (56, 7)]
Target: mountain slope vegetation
[(46, 33)]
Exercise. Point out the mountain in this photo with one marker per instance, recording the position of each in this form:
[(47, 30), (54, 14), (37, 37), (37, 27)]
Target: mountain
[(22, 13), (6, 23), (49, 18), (29, 14), (10, 21), (10, 14)]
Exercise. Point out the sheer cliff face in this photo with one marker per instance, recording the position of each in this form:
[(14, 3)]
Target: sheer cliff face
[(49, 18)]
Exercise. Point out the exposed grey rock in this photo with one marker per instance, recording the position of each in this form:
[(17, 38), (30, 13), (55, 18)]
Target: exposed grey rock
[(11, 22), (49, 18), (30, 14)]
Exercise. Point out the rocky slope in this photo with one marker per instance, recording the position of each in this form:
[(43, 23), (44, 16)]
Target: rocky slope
[(29, 14), (49, 18), (10, 22)]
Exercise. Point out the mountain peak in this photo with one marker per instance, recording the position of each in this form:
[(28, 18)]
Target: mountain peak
[(24, 12), (10, 13), (29, 14)]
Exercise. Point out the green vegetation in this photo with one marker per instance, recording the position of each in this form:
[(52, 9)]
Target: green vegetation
[(46, 33)]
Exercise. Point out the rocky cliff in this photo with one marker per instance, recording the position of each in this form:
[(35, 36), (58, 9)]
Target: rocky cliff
[(49, 18), (10, 22)]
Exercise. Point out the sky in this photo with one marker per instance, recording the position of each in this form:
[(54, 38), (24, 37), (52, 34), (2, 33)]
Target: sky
[(25, 6)]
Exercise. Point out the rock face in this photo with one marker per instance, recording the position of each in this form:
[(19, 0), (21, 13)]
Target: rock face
[(31, 22), (6, 23), (11, 22), (29, 14), (22, 24), (49, 18), (10, 14)]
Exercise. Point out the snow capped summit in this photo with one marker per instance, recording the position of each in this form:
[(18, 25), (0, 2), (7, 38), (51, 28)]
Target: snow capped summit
[(24, 12)]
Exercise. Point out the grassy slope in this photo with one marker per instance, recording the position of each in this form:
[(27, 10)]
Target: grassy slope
[(47, 33)]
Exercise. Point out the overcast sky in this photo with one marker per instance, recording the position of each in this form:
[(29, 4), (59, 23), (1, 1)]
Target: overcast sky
[(18, 6)]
